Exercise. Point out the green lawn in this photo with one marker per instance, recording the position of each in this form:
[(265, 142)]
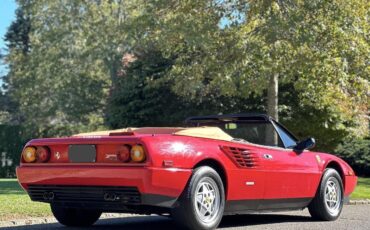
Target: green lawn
[(362, 190), (15, 203)]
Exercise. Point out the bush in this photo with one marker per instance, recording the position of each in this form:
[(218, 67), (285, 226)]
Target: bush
[(357, 154), (11, 144)]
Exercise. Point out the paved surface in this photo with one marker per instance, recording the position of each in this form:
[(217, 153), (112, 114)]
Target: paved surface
[(353, 217)]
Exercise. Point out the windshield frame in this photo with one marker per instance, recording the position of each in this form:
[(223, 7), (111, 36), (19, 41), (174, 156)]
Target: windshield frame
[(224, 119)]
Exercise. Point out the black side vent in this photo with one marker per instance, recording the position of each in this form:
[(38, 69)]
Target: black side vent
[(243, 158)]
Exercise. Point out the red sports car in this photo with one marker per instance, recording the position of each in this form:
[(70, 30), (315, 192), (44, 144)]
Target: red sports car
[(218, 165)]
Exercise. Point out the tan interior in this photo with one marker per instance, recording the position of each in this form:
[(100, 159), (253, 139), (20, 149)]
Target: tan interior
[(205, 132), (103, 133), (143, 130), (202, 132)]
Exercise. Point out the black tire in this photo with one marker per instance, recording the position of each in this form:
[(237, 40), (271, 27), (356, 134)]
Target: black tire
[(319, 207), (74, 217), (187, 214)]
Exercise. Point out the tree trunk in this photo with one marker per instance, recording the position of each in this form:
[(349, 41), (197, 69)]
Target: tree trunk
[(272, 97), (272, 108)]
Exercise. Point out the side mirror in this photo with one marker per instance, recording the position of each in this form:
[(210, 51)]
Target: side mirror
[(306, 144)]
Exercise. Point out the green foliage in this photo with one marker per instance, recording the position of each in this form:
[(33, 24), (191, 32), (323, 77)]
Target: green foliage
[(142, 97), (17, 35), (61, 84), (320, 48), (327, 127), (4, 115), (357, 154), (193, 57), (136, 101), (12, 139)]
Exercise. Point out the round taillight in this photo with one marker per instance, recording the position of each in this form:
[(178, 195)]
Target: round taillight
[(137, 153), (29, 154), (43, 154), (124, 153)]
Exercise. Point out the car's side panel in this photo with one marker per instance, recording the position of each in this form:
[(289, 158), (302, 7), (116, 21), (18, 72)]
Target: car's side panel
[(187, 152), (246, 184), (290, 174)]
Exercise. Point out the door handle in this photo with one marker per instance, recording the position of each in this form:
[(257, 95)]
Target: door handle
[(267, 156)]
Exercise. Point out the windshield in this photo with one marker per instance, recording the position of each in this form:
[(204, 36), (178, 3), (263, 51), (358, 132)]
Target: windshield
[(254, 128), (262, 133)]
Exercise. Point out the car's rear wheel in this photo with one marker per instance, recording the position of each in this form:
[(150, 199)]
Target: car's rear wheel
[(328, 202), (74, 217), (201, 206)]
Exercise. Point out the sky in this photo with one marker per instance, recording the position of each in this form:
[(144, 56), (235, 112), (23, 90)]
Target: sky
[(7, 15)]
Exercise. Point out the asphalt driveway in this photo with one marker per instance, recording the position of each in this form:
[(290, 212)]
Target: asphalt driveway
[(353, 217)]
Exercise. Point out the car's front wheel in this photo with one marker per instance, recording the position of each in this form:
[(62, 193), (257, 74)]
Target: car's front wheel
[(202, 203), (328, 202), (74, 217)]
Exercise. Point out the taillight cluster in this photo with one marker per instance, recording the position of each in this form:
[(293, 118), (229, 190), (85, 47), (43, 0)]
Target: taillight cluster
[(39, 154), (125, 153), (135, 153)]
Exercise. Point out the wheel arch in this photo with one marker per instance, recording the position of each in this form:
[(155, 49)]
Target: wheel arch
[(216, 165), (336, 166)]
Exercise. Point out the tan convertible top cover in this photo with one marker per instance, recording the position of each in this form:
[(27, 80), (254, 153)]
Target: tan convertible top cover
[(203, 132)]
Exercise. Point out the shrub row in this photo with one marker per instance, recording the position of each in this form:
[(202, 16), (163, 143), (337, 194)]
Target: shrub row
[(357, 154), (11, 144)]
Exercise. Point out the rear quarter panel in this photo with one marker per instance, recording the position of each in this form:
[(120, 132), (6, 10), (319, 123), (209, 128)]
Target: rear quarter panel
[(186, 152)]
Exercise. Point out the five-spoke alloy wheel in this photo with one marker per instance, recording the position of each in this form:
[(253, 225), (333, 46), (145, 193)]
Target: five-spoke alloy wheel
[(202, 203), (328, 202), (207, 200), (333, 196)]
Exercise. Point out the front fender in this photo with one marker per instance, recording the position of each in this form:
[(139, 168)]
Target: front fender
[(348, 176)]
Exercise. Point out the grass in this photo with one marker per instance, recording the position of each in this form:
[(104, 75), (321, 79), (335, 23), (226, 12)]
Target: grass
[(16, 204), (362, 190)]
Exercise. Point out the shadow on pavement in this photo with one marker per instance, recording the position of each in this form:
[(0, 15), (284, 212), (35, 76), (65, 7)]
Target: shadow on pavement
[(164, 223), (259, 219)]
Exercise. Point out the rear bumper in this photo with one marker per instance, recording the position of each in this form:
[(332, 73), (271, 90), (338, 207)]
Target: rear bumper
[(155, 186)]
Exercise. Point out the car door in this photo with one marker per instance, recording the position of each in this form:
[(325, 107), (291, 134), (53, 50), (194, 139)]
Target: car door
[(291, 177)]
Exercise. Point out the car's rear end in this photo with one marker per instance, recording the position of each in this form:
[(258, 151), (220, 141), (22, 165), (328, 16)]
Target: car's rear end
[(105, 173)]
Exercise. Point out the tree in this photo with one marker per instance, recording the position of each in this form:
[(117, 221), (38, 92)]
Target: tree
[(141, 96), (17, 42), (12, 137), (134, 101), (17, 35), (7, 108), (357, 154), (62, 83), (320, 47), (215, 56)]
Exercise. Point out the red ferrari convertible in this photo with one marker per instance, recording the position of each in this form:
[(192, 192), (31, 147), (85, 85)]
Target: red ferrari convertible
[(217, 165)]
